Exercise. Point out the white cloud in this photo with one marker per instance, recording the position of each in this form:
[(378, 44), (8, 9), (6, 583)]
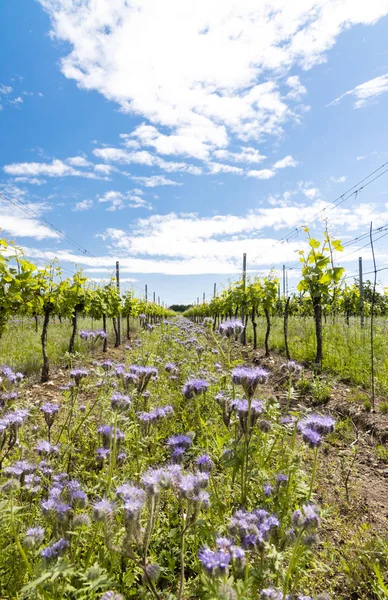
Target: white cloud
[(178, 244), (287, 161), (366, 91), (143, 157), (214, 71), (221, 168), (104, 169), (57, 168), (297, 89), (261, 174), (30, 180), (5, 89), (17, 101), (340, 179), (246, 154), (83, 205), (20, 218), (78, 161), (155, 180), (119, 200)]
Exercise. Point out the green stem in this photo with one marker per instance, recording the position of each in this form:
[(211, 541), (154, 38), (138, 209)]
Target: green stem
[(17, 541), (112, 454), (314, 471)]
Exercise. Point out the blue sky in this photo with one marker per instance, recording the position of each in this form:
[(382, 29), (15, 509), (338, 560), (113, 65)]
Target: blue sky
[(174, 136)]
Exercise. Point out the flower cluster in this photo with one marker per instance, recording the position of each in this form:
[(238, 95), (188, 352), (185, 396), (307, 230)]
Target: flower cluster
[(249, 378), (78, 375), (178, 445), (313, 427), (10, 375), (143, 375), (242, 408), (231, 328), (252, 528), (194, 387), (216, 562), (92, 335)]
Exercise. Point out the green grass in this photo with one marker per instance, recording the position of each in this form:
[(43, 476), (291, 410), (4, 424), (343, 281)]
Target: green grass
[(20, 346), (346, 348)]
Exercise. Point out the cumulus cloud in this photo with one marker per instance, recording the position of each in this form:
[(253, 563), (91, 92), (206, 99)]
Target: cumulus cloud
[(214, 71), (365, 92), (20, 218), (78, 161), (261, 173), (83, 205), (119, 200), (178, 244), (155, 180), (340, 179), (287, 161), (57, 168), (5, 89)]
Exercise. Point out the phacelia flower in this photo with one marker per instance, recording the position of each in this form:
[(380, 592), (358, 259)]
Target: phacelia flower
[(249, 378), (78, 375), (55, 549), (34, 537), (231, 327), (194, 387)]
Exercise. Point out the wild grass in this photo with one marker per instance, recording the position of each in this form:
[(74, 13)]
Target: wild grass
[(346, 348)]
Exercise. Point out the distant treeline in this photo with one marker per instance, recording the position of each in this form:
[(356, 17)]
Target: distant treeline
[(180, 307)]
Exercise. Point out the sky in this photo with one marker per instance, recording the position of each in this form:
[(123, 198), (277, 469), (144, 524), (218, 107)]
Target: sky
[(175, 135)]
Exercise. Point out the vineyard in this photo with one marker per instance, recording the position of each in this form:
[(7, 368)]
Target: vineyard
[(223, 455)]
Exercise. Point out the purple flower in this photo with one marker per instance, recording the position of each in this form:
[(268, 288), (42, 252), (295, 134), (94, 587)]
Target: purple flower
[(10, 395), (205, 463), (249, 378), (170, 367), (214, 563), (44, 448), (231, 327), (78, 375), (151, 480), (15, 419), (34, 537), (320, 423), (120, 402), (112, 596), (107, 365), (103, 509), (107, 433), (268, 489), (77, 496), (291, 368), (280, 479), (55, 549), (311, 437), (144, 375), (19, 468), (194, 387), (307, 517), (272, 594), (49, 411), (54, 506), (103, 453), (182, 440)]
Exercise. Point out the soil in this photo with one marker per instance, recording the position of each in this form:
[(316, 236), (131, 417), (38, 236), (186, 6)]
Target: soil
[(351, 477)]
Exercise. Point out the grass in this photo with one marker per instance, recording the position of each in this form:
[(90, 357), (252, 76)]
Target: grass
[(346, 348), (172, 525), (20, 345)]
